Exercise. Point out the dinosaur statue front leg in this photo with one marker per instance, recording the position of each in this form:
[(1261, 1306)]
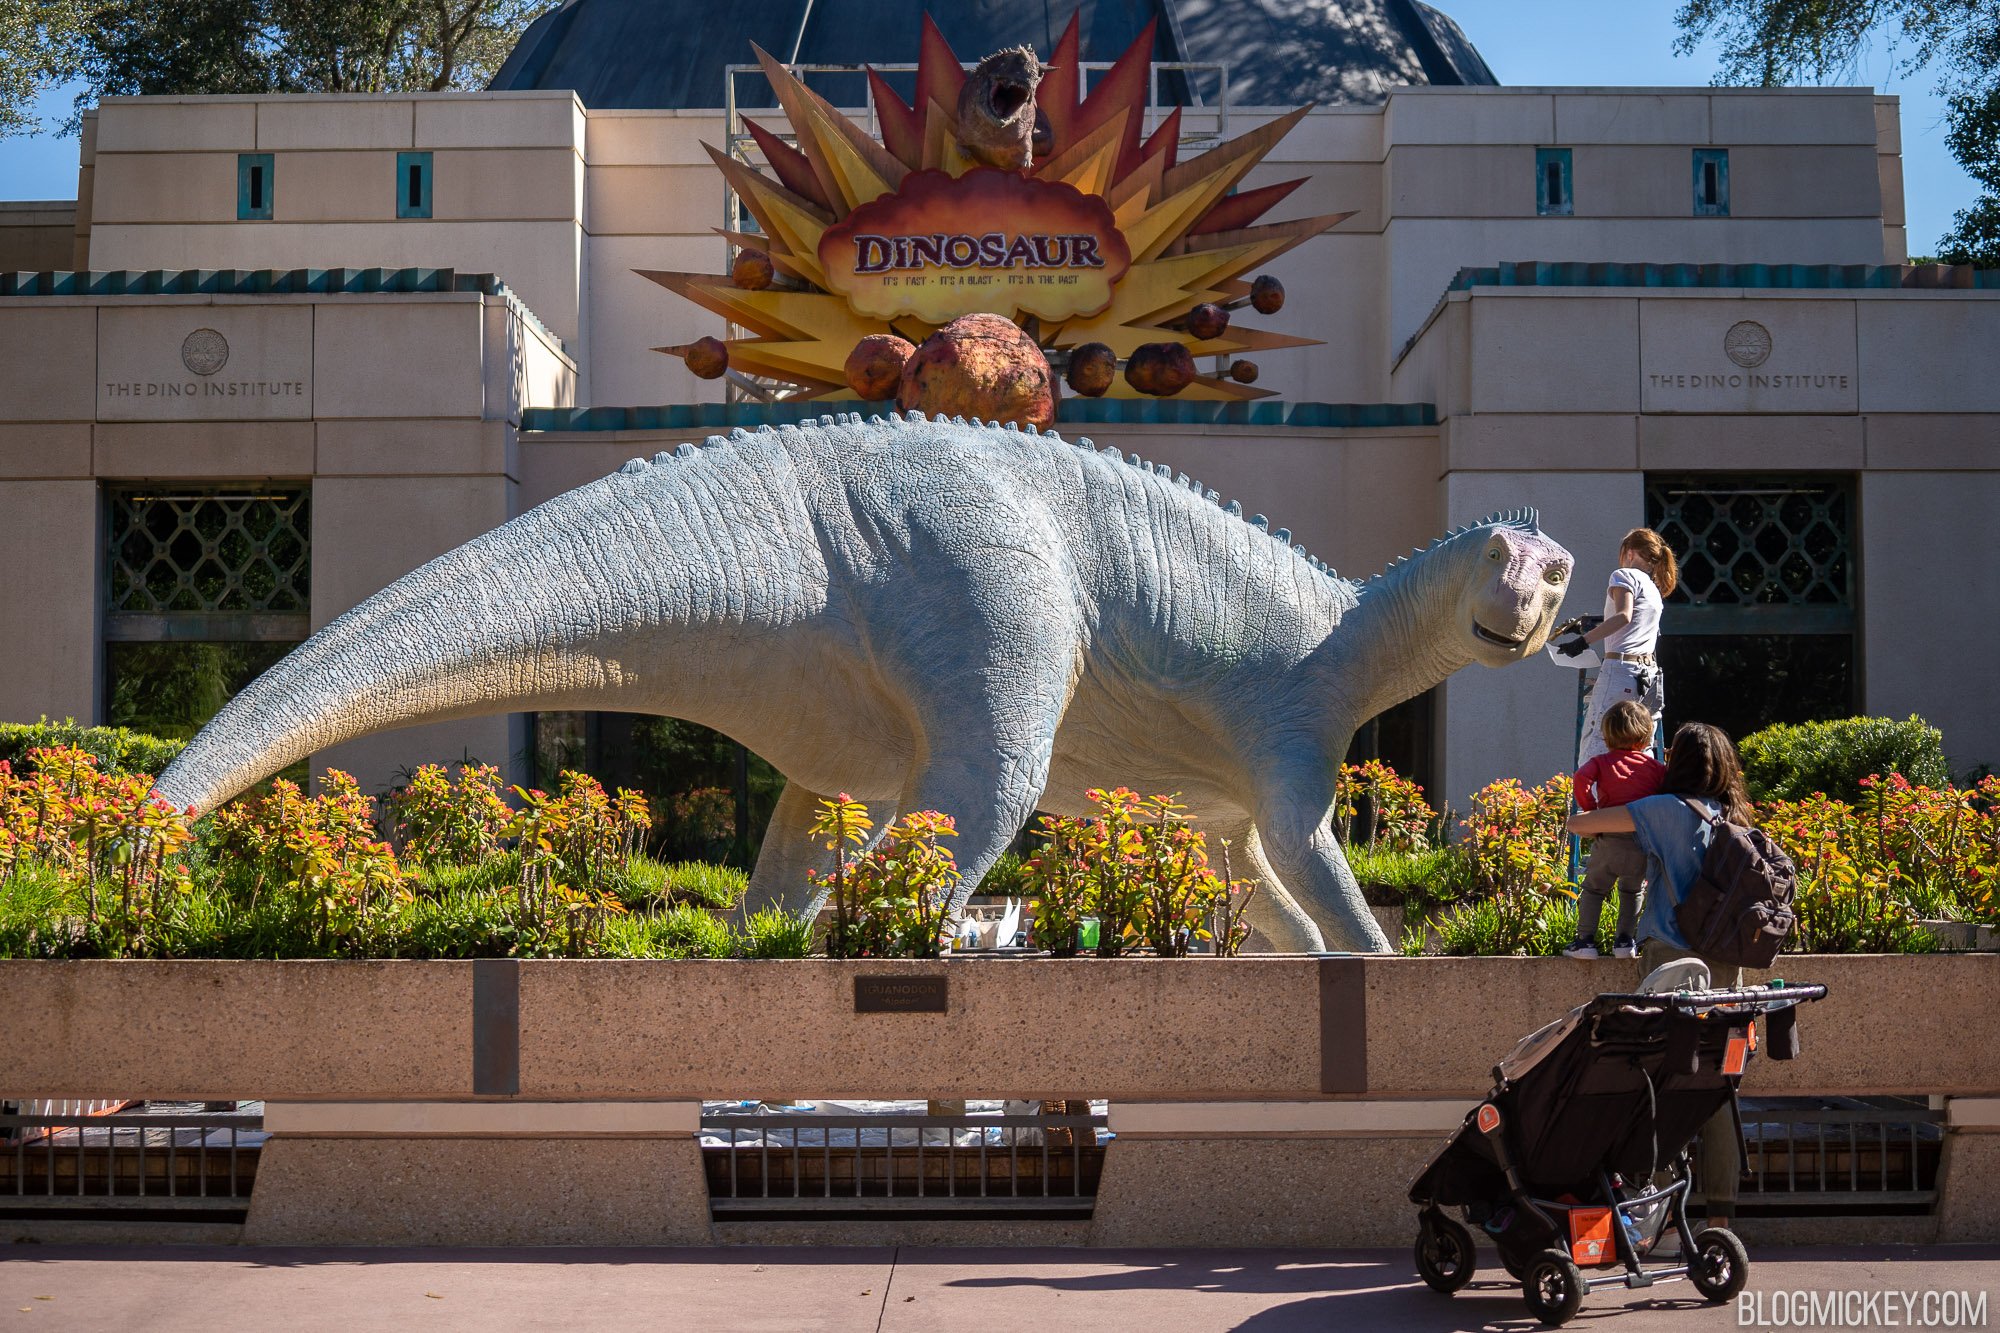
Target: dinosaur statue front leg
[(789, 851), (1277, 917), (1299, 841)]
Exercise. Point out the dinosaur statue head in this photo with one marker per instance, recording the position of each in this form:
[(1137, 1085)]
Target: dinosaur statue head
[(996, 110), (1513, 584)]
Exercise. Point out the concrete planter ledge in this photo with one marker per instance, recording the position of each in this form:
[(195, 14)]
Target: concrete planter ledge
[(1280, 1028), (557, 1102)]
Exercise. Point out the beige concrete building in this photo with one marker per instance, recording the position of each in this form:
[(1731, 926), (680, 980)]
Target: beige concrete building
[(1812, 427)]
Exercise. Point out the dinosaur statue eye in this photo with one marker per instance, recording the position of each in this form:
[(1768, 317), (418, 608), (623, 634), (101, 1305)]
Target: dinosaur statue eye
[(1495, 553), (1555, 574)]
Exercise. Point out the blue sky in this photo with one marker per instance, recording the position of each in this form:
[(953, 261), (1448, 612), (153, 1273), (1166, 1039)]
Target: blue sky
[(1528, 42)]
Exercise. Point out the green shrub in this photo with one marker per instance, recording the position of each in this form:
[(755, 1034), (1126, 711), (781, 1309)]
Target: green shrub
[(679, 932), (1539, 927), (1790, 763), (772, 932), (499, 871), (648, 884), (1007, 879), (1424, 879), (116, 749)]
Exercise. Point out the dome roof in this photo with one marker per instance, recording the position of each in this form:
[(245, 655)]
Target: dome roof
[(651, 53)]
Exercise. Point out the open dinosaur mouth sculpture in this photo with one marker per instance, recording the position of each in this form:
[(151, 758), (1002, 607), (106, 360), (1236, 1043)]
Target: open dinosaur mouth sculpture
[(1500, 639), (1007, 97), (997, 112)]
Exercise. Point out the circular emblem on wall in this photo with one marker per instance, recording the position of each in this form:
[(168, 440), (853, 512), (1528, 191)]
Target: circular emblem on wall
[(1747, 344), (205, 351)]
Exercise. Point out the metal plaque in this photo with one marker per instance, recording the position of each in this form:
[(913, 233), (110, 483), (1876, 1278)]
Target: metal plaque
[(899, 995)]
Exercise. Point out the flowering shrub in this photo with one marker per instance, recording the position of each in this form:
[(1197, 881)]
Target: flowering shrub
[(319, 856), (894, 899), (445, 821), (97, 830), (703, 818), (570, 844), (1514, 836), (1868, 870), (1142, 870), (1401, 819)]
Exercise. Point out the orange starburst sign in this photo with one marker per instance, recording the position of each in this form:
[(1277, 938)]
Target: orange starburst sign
[(1106, 238)]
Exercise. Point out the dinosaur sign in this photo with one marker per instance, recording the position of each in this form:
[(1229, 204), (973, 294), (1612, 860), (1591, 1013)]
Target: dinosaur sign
[(941, 246), (1006, 189)]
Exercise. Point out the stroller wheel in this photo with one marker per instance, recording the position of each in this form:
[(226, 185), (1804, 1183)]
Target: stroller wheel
[(1720, 1265), (1553, 1287), (1445, 1258)]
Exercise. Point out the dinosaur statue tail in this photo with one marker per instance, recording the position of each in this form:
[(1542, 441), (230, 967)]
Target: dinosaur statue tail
[(482, 629)]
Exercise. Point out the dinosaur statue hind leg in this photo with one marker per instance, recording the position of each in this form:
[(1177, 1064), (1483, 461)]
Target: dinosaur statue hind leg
[(789, 852)]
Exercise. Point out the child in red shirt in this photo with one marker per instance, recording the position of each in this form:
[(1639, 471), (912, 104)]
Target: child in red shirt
[(1625, 773)]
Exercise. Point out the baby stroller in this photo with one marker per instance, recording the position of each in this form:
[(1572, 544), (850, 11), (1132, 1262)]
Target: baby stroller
[(1578, 1159)]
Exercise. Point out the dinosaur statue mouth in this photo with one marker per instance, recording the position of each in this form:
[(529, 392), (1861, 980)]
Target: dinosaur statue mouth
[(1500, 639), (1006, 98)]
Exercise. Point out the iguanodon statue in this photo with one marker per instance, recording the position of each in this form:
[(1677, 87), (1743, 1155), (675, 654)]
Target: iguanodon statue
[(928, 615)]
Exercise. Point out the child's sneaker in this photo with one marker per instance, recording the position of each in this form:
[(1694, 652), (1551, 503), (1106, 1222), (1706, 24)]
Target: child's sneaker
[(1625, 947), (1583, 948)]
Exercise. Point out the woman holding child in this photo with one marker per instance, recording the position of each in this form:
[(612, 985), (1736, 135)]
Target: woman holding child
[(1700, 786)]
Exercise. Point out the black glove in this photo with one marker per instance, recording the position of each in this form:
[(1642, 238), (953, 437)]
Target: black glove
[(1575, 647)]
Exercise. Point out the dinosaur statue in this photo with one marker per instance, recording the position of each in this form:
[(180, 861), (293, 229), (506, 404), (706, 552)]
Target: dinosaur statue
[(997, 118), (927, 615)]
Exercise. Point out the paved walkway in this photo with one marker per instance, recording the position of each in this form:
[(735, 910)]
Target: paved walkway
[(986, 1290)]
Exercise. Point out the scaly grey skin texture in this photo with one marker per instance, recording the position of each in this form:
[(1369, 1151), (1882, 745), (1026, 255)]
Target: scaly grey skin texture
[(928, 615)]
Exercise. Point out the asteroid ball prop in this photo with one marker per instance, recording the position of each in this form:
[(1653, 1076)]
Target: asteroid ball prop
[(707, 357), (875, 367), (1092, 368), (1207, 321), (1267, 295), (1243, 372), (1160, 369), (752, 271), (980, 366)]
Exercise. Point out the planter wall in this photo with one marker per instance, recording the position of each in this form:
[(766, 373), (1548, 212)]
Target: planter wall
[(1294, 1096)]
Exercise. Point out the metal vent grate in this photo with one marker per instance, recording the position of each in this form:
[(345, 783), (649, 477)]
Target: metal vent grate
[(210, 550), (1762, 548)]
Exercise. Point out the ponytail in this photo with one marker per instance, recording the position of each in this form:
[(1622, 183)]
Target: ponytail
[(1659, 557)]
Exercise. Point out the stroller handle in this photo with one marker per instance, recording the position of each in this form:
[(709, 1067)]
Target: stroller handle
[(1762, 999)]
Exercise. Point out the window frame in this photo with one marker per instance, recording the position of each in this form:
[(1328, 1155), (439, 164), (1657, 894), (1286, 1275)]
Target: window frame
[(419, 162), (1561, 160), (247, 165), (1719, 159)]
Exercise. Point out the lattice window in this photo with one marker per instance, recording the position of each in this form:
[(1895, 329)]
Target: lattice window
[(1776, 550), (226, 563)]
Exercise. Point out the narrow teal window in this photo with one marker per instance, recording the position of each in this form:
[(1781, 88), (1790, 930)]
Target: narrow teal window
[(254, 184), (413, 185), (1711, 182), (1552, 190)]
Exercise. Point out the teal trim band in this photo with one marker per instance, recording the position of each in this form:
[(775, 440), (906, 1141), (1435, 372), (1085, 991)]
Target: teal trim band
[(413, 185), (263, 282), (1819, 277), (1072, 411), (256, 184)]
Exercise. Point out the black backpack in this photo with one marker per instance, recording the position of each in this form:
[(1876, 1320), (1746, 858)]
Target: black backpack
[(1739, 908)]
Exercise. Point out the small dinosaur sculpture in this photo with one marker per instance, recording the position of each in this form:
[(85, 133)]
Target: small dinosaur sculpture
[(997, 118), (928, 615)]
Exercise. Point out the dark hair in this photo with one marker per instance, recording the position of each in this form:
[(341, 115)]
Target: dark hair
[(1627, 725), (1702, 762)]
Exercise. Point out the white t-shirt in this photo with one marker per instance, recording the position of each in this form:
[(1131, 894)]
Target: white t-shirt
[(1641, 636)]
